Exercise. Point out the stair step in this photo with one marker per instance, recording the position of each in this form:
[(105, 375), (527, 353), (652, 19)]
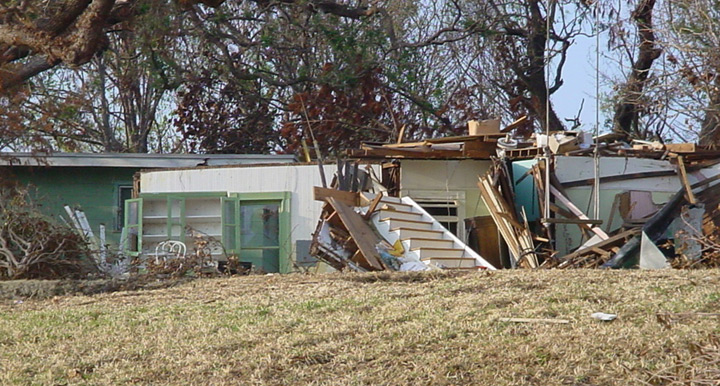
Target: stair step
[(385, 199), (394, 200), (418, 242), (400, 214), (439, 252), (450, 262), (393, 206), (406, 233), (417, 224)]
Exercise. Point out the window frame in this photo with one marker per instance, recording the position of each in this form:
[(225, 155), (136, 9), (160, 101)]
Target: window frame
[(119, 220), (284, 223)]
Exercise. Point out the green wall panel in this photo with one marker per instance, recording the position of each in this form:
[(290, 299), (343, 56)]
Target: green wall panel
[(94, 190)]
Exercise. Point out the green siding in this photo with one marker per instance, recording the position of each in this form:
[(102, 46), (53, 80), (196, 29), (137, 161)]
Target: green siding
[(93, 189)]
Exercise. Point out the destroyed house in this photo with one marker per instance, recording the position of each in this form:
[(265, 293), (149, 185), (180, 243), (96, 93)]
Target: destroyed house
[(487, 200), (267, 215), (99, 184), (602, 201)]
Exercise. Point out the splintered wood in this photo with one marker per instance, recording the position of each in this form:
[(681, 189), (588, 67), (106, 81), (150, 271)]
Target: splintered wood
[(594, 255), (516, 235)]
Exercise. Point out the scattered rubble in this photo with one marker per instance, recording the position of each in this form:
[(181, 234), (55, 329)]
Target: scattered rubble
[(567, 200)]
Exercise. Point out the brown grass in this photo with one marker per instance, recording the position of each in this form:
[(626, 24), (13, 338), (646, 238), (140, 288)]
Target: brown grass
[(373, 329)]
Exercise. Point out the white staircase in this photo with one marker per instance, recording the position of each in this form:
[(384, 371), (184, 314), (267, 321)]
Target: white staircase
[(423, 238)]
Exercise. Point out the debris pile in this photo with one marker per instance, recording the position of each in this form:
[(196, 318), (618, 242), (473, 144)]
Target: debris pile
[(564, 200), (368, 231)]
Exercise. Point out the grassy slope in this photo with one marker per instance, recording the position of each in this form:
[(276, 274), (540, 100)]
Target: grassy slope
[(367, 329)]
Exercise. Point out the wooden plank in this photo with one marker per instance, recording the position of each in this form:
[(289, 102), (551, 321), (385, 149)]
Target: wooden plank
[(600, 251), (571, 221), (681, 147), (418, 153), (403, 145), (518, 239), (576, 211), (479, 146), (518, 122), (373, 205), (360, 231), (504, 226), (706, 181), (620, 177), (567, 214), (683, 178), (534, 320), (531, 257), (618, 239), (401, 134), (348, 198), (425, 153)]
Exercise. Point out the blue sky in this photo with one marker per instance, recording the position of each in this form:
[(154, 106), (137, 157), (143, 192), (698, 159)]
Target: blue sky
[(579, 83)]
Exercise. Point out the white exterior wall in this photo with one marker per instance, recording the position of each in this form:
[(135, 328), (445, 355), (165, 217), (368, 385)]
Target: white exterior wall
[(446, 179), (569, 169), (298, 179)]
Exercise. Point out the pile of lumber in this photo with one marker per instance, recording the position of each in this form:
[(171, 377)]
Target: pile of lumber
[(343, 238), (515, 232)]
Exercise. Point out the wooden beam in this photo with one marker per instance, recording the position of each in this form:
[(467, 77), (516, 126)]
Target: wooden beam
[(424, 153), (576, 211), (681, 147), (348, 198), (620, 177), (683, 178), (373, 206), (360, 231), (571, 221), (401, 134), (616, 240), (518, 122), (706, 181), (518, 239), (401, 145)]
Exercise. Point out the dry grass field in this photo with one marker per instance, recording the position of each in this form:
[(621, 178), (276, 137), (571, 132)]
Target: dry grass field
[(375, 329)]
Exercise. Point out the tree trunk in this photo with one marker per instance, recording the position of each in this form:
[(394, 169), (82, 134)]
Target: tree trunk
[(629, 105), (710, 132), (534, 75)]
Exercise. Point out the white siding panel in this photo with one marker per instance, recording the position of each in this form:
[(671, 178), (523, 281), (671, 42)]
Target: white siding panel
[(298, 179)]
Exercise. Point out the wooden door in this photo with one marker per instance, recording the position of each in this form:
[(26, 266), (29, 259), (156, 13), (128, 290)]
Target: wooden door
[(483, 238)]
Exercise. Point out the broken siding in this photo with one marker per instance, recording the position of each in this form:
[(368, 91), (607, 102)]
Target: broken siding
[(575, 169)]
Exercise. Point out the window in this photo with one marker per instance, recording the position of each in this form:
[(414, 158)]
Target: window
[(124, 192), (444, 211)]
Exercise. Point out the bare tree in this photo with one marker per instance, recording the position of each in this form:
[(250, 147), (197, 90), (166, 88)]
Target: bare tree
[(631, 98)]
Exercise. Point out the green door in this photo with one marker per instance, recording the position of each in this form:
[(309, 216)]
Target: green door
[(259, 225), (133, 227)]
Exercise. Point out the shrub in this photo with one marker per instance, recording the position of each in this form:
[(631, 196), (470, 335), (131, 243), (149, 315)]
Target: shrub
[(33, 246)]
